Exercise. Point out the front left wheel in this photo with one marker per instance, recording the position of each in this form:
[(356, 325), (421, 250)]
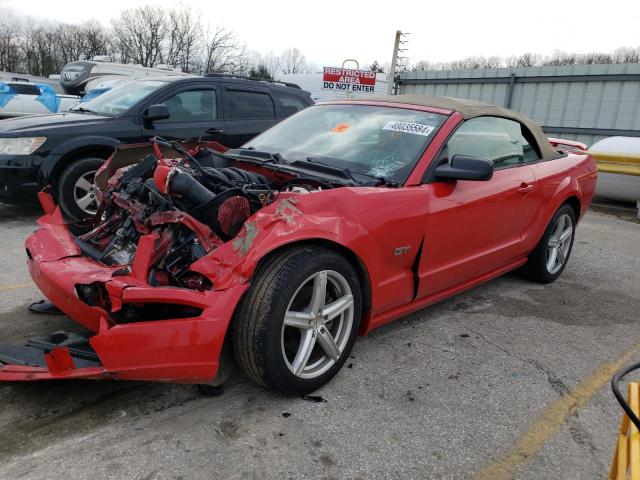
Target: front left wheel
[(296, 325)]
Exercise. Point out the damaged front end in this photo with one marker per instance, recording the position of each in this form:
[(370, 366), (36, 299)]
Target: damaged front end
[(134, 277)]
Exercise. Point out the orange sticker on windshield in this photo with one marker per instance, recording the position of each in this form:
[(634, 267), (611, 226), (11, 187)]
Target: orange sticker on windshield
[(341, 127)]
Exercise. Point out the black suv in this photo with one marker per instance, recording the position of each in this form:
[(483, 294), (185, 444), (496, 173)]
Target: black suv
[(66, 149)]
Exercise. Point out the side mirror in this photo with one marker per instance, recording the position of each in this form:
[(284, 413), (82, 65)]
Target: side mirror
[(465, 168), (156, 112)]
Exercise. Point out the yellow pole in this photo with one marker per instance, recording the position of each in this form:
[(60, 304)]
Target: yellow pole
[(634, 437), (626, 460)]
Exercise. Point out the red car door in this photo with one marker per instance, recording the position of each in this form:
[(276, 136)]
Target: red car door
[(476, 227)]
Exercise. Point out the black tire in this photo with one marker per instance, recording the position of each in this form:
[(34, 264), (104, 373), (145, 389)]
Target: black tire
[(257, 330), (67, 186), (536, 268)]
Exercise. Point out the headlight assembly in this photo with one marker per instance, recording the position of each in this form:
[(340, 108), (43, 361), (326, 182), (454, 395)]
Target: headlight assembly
[(20, 146)]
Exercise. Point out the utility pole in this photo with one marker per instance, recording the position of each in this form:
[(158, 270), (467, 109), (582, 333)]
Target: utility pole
[(391, 76)]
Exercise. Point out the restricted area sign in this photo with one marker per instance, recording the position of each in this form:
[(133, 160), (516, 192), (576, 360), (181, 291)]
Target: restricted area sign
[(347, 80)]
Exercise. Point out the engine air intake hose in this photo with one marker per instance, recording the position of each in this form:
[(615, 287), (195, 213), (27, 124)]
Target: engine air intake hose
[(199, 199), (204, 205), (185, 185)]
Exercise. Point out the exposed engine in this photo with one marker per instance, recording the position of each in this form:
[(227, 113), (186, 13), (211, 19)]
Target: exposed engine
[(193, 204)]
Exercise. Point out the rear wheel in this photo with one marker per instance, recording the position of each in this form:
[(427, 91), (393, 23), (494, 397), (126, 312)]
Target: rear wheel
[(297, 324), (76, 191), (548, 260)]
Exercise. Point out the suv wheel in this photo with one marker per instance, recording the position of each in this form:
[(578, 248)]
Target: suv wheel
[(76, 192)]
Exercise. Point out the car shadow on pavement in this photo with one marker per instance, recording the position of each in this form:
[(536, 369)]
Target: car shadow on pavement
[(18, 212), (34, 414), (37, 414)]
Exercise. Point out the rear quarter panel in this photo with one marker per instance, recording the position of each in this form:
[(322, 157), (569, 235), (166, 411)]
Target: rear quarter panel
[(557, 181)]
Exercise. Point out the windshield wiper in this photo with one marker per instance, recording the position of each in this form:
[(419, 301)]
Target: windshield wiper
[(252, 153), (83, 110), (350, 174)]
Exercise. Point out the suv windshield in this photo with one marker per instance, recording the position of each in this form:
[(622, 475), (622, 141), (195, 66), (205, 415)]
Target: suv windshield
[(121, 98), (377, 141)]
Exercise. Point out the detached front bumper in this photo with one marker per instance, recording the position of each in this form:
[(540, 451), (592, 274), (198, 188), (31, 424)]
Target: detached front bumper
[(181, 350), (59, 355)]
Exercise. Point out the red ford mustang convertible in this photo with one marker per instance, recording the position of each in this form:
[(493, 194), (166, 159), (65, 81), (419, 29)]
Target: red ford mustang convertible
[(338, 220)]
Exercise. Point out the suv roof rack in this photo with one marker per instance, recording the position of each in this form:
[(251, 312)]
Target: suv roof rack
[(257, 79)]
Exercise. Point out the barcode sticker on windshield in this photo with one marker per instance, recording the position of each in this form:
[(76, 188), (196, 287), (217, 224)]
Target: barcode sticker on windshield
[(409, 127)]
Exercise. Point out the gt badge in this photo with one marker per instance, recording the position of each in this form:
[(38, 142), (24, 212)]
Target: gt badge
[(401, 250)]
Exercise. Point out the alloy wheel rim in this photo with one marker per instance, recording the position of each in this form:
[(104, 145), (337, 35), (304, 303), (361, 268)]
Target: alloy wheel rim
[(84, 193), (559, 244), (317, 324)]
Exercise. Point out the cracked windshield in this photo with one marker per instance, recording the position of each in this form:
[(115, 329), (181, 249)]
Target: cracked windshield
[(377, 141)]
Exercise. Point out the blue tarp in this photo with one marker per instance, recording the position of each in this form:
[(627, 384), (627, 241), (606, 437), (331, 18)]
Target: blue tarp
[(91, 94), (6, 94), (48, 97)]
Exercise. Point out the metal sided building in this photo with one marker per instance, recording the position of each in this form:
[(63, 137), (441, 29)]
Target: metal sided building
[(576, 102)]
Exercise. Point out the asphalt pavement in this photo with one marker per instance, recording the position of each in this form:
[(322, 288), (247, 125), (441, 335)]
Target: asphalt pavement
[(508, 380)]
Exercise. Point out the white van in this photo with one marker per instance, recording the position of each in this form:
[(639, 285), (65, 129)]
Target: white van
[(75, 75), (18, 98)]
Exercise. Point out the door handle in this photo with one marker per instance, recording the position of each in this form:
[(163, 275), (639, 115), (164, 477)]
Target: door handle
[(214, 131), (525, 188)]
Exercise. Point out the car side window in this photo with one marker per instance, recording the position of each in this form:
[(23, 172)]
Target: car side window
[(192, 106), (24, 89), (289, 104), (248, 105), (505, 142)]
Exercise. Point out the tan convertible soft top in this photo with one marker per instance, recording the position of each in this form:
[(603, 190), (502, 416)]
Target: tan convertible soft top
[(470, 109)]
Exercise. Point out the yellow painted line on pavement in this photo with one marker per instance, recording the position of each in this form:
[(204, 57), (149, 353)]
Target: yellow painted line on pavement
[(544, 428), (15, 286)]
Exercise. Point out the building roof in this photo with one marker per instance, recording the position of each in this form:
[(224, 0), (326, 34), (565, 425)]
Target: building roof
[(470, 109)]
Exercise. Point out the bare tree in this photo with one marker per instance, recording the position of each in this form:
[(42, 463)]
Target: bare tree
[(96, 39), (222, 51), (272, 62), (141, 33), (524, 60), (28, 48), (560, 58), (152, 35), (147, 36), (621, 55), (422, 65), (293, 61), (9, 45), (376, 67), (595, 58), (70, 42), (626, 55), (476, 62), (260, 71), (47, 56), (183, 38)]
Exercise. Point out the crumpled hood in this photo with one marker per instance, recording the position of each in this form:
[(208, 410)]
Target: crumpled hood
[(52, 241), (37, 124)]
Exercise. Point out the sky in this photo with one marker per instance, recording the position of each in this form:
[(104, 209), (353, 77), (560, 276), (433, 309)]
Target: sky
[(327, 32)]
